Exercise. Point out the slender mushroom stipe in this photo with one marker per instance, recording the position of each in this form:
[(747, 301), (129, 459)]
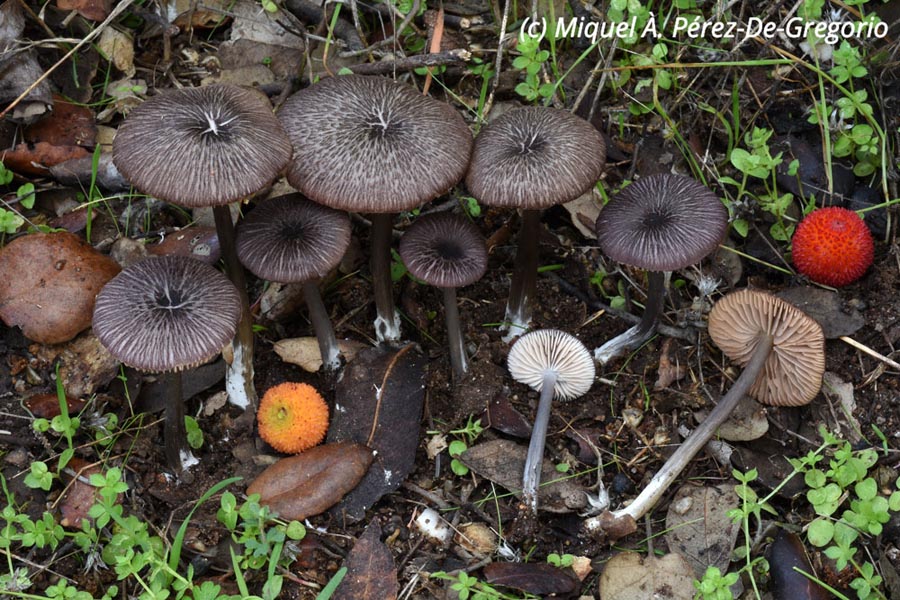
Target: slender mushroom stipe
[(165, 315), (783, 354), (553, 363)]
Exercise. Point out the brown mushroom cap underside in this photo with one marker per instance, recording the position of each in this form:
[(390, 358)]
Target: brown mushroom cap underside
[(792, 376), (202, 146), (166, 313), (370, 144), (662, 223), (534, 158), (538, 351), (444, 250), (290, 239)]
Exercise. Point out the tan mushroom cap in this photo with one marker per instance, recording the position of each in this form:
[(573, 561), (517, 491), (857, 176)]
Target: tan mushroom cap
[(792, 376)]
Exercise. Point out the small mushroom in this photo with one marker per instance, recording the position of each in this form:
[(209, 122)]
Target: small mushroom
[(782, 351), (290, 239), (208, 146), (165, 315), (372, 145), (658, 223), (446, 251), (553, 363), (532, 158)]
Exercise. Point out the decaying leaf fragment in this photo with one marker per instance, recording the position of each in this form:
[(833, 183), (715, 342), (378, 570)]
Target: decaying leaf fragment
[(503, 461), (309, 483), (52, 280), (632, 576), (371, 573), (698, 526), (378, 402)]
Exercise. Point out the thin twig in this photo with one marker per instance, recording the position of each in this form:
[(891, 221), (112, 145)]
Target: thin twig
[(451, 57), (870, 352), (120, 8)]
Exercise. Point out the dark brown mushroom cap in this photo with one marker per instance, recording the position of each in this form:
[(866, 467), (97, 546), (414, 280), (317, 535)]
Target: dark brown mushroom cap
[(292, 239), (202, 146), (662, 223), (792, 376), (534, 158), (550, 349), (166, 313), (444, 250), (370, 144)]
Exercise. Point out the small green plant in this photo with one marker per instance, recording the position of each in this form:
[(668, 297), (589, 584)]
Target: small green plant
[(715, 585), (10, 219), (468, 587), (562, 561), (530, 61), (467, 436)]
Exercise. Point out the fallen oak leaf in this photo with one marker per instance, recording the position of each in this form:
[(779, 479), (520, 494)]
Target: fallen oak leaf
[(310, 483)]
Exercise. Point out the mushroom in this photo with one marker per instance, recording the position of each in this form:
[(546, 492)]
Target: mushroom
[(290, 239), (446, 251), (782, 351), (207, 146), (372, 145), (658, 223), (532, 158), (164, 315), (553, 363)]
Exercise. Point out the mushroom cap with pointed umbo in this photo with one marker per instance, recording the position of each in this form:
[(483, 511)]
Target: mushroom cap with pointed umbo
[(662, 223), (370, 144), (444, 250), (550, 349), (792, 375), (166, 313), (290, 239), (535, 157), (202, 146)]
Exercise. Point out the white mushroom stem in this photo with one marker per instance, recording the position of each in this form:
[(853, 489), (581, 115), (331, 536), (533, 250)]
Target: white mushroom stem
[(321, 322), (643, 331), (178, 452), (239, 374), (524, 277), (454, 334), (387, 320), (692, 445), (531, 479)]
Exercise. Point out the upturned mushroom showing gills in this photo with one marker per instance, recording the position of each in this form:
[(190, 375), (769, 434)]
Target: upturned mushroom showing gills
[(553, 363), (165, 315), (290, 239), (533, 158), (208, 146), (372, 145), (658, 223), (782, 351), (446, 251)]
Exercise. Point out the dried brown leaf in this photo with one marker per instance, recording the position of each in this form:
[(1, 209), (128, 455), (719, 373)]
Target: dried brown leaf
[(535, 578), (371, 573), (378, 402), (310, 483), (53, 279)]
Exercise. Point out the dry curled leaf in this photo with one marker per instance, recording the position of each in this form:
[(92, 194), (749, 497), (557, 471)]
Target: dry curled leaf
[(53, 279), (310, 483)]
